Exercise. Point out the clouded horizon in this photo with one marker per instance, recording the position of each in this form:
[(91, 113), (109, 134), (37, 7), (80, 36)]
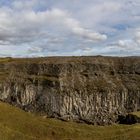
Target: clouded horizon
[(33, 28)]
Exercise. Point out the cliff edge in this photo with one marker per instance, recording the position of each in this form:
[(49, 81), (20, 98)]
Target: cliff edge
[(94, 90)]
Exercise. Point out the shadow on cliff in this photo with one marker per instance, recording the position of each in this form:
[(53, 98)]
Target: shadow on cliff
[(128, 119)]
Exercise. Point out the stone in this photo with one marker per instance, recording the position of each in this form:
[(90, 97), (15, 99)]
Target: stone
[(94, 90)]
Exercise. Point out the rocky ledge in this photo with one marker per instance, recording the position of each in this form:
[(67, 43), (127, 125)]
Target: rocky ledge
[(96, 90)]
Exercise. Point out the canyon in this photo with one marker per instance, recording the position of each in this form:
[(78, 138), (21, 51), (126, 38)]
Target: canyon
[(94, 89)]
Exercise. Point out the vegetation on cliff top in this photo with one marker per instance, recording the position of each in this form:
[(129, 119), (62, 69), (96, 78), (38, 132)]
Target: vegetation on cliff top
[(16, 124), (70, 59)]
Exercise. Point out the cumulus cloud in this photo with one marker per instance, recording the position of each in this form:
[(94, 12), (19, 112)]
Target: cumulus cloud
[(124, 47), (130, 43), (28, 27), (127, 44), (88, 34), (49, 27), (137, 36), (35, 49), (31, 25)]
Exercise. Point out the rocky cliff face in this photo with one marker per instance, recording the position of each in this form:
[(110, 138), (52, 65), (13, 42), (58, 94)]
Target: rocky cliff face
[(89, 89)]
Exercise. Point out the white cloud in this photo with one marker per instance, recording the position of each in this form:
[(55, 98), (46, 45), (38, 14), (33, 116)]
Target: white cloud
[(92, 36), (28, 26), (137, 36), (35, 49), (127, 44), (46, 26), (131, 43)]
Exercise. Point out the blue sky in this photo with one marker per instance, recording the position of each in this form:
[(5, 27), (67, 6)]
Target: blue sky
[(32, 28)]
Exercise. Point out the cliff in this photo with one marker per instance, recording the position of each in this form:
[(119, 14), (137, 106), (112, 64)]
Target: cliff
[(94, 90)]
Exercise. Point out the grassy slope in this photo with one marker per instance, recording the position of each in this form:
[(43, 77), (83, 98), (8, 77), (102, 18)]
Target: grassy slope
[(136, 113), (16, 124)]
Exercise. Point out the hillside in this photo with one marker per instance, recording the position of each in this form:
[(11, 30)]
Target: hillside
[(16, 124), (95, 90)]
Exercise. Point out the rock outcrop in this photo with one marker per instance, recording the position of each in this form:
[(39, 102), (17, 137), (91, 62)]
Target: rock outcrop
[(94, 90)]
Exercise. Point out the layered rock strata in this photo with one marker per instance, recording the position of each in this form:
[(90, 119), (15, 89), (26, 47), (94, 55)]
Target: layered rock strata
[(94, 90)]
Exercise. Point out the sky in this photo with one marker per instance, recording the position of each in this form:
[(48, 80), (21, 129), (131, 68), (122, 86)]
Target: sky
[(38, 28)]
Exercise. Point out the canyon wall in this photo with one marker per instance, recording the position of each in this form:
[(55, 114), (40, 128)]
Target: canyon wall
[(94, 90)]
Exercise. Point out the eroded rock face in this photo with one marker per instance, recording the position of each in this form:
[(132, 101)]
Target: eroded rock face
[(94, 90)]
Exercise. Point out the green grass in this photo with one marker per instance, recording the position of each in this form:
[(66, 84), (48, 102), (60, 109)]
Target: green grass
[(16, 124)]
